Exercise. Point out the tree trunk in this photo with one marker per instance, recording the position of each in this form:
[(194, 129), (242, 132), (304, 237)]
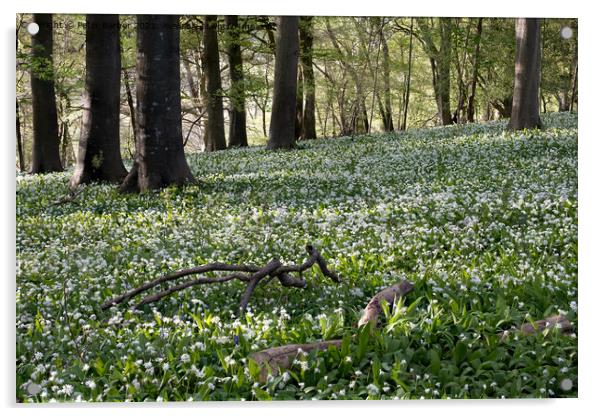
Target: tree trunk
[(503, 107), (440, 61), (45, 155), (282, 123), (202, 100), (306, 40), (19, 140), (459, 116), (66, 147), (299, 105), (215, 106), (443, 65), (130, 100), (357, 122), (525, 103), (475, 71), (388, 112), (574, 81), (160, 159), (99, 157), (406, 100), (238, 116)]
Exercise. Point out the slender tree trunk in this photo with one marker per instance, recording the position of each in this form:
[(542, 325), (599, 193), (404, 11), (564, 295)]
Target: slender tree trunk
[(130, 100), (192, 86), (543, 44), (574, 81), (299, 105), (306, 40), (215, 106), (459, 116), (203, 99), (406, 100), (264, 122), (357, 122), (46, 154), (440, 61), (20, 140), (238, 115), (525, 103), (444, 67), (198, 93), (388, 112), (282, 123), (160, 159), (99, 157), (475, 72), (66, 149)]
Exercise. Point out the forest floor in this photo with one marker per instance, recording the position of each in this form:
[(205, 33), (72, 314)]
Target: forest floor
[(482, 221)]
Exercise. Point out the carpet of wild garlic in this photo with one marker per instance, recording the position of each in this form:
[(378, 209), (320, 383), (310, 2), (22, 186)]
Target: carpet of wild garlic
[(482, 220)]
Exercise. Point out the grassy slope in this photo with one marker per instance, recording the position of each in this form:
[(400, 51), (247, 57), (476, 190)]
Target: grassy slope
[(483, 221)]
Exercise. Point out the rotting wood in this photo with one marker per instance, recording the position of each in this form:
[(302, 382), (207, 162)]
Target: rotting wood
[(558, 322), (282, 357), (389, 295), (276, 359)]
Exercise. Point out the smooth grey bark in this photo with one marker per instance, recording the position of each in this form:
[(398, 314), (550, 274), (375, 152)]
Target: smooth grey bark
[(406, 99), (99, 157), (306, 41), (574, 79), (525, 103), (45, 152), (440, 60), (130, 100), (357, 121), (160, 159), (215, 107), (387, 111), (475, 72), (282, 123), (19, 140), (444, 61), (238, 116), (299, 105)]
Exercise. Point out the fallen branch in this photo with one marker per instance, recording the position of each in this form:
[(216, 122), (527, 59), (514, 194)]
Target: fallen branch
[(70, 197), (389, 295), (282, 357), (559, 322), (278, 358), (254, 274)]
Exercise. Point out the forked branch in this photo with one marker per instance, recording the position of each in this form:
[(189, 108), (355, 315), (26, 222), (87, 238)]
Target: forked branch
[(249, 274)]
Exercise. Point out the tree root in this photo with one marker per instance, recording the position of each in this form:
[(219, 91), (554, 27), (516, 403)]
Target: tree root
[(249, 274)]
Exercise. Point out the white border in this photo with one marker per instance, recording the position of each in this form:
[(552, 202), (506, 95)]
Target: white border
[(590, 207)]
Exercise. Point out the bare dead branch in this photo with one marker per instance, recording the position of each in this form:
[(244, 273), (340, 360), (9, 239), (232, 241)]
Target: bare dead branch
[(254, 280), (200, 281), (288, 280), (211, 267), (70, 197), (254, 274)]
